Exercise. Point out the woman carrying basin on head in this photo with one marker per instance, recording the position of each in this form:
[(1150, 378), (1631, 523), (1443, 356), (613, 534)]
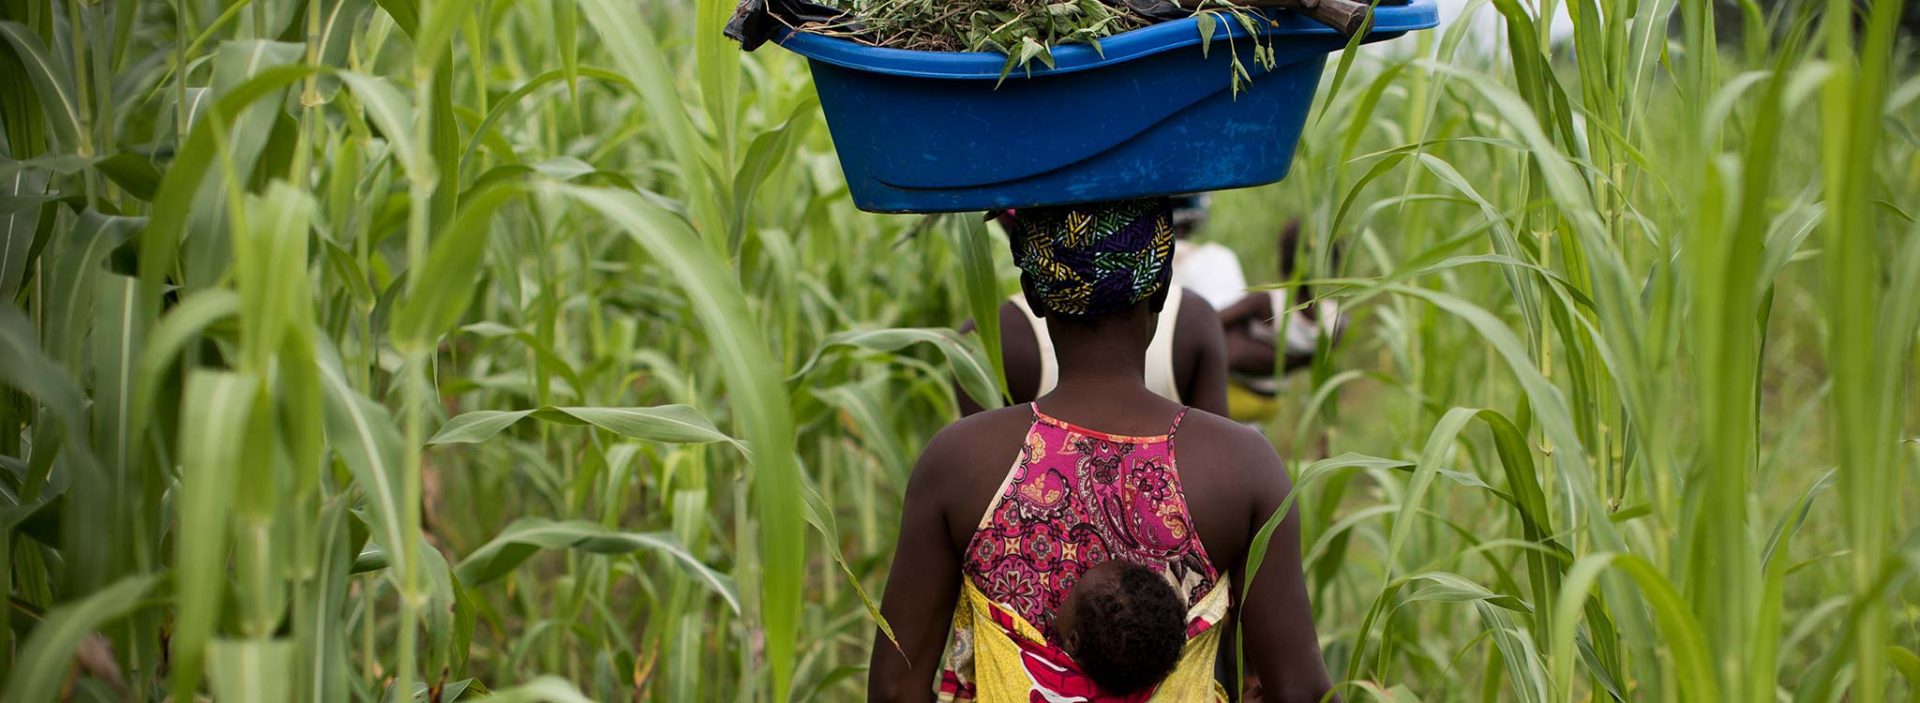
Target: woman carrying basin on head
[(1008, 508)]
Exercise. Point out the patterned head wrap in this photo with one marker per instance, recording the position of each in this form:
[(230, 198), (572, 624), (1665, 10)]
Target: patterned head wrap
[(1094, 259)]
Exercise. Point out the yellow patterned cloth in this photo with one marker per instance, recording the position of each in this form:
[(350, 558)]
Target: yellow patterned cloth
[(998, 657), (1074, 498)]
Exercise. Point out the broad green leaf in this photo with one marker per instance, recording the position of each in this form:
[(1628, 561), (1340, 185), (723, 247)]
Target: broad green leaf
[(187, 321), (118, 333), (964, 356), (251, 670), (432, 43), (212, 437), (440, 611), (368, 441), (453, 266), (17, 227), (754, 387), (512, 100), (45, 658), (528, 535), (24, 367), (665, 423), (637, 53), (76, 265), (319, 629), (132, 172), (1679, 628), (391, 111), (52, 80), (974, 247), (769, 150), (869, 423), (271, 270)]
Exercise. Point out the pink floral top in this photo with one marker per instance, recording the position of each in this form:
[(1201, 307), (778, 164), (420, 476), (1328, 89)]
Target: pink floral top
[(1076, 497)]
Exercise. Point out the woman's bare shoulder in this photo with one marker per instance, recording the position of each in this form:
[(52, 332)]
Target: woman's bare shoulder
[(975, 443)]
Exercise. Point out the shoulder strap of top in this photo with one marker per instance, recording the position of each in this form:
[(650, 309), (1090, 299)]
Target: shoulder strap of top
[(1006, 482), (1176, 421)]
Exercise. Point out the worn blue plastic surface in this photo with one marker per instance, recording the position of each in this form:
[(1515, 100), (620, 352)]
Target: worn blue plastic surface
[(1149, 114)]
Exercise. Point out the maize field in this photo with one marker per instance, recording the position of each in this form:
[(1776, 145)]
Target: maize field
[(437, 350)]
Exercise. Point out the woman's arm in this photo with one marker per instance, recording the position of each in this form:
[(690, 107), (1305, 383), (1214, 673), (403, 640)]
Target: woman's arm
[(1281, 644), (1257, 304), (921, 587)]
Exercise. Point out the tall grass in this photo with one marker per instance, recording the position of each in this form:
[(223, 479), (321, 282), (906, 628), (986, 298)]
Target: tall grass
[(360, 350)]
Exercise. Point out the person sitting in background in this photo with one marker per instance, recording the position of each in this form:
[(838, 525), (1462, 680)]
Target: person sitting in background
[(1260, 327), (987, 553), (1186, 361)]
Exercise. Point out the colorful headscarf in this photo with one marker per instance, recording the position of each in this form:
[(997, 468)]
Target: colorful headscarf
[(1095, 259)]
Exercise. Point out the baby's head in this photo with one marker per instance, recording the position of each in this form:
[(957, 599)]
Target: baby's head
[(1124, 625)]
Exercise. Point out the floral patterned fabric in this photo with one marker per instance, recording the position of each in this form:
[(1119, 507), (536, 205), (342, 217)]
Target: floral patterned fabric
[(1074, 498)]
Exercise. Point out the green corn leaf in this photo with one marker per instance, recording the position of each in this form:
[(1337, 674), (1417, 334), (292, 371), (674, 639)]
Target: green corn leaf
[(186, 322), (176, 199), (251, 670), (118, 332), (1697, 680), (868, 422), (964, 355), (318, 629), (665, 423), (212, 439), (447, 278), (405, 14), (132, 172), (512, 100), (24, 367), (528, 535), (765, 155), (17, 227), (391, 111), (968, 237), (755, 389), (440, 613), (368, 441), (46, 656), (52, 82), (637, 53), (76, 266), (432, 43), (271, 270)]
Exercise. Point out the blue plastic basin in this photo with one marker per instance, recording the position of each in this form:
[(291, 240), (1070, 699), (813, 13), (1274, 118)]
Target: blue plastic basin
[(1149, 114)]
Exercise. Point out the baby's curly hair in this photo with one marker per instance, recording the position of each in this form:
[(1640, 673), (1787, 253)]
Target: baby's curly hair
[(1124, 625)]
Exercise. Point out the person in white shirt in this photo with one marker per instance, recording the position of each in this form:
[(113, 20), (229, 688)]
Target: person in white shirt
[(1262, 325)]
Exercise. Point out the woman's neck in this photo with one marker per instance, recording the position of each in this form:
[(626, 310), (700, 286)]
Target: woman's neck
[(1105, 354)]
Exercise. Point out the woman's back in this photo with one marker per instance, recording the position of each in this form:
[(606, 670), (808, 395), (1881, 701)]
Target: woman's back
[(1209, 463), (1102, 274)]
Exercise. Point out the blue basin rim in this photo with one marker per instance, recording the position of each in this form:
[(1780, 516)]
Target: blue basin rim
[(1388, 21)]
